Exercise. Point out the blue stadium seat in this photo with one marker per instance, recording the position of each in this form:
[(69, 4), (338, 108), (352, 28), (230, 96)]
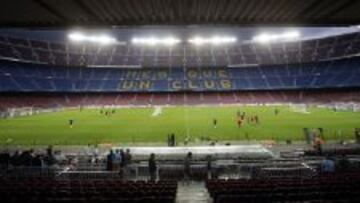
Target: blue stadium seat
[(17, 76)]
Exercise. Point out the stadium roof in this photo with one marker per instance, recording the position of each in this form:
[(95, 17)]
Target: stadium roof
[(243, 34), (52, 13)]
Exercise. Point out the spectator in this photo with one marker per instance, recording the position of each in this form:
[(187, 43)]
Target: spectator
[(122, 163), (208, 166), (87, 150), (59, 157), (49, 151), (15, 159), (96, 153), (328, 165), (122, 158), (125, 162), (117, 160), (187, 167), (344, 164), (49, 158), (128, 157), (5, 159), (37, 162), (318, 142), (109, 160), (26, 158), (152, 167)]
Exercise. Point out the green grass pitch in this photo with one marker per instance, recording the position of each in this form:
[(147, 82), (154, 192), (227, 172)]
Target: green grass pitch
[(137, 125)]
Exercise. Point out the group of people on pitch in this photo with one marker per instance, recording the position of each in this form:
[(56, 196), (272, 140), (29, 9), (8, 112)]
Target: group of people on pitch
[(251, 119), (240, 119), (107, 112)]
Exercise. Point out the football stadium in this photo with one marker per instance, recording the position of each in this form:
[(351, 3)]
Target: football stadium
[(179, 101)]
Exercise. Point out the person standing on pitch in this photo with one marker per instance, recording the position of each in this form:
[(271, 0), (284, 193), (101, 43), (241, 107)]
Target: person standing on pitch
[(214, 122), (168, 140), (276, 112), (239, 122), (71, 123), (172, 138)]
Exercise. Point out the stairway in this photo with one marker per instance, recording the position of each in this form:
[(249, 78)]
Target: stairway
[(194, 192)]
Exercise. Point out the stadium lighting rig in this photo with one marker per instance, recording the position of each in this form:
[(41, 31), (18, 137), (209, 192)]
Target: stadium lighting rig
[(212, 40), (101, 39), (267, 38), (153, 41)]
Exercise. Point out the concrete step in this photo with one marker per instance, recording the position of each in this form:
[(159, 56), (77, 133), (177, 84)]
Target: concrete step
[(193, 191)]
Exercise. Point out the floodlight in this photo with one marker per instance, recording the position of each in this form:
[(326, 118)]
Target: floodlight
[(76, 36), (152, 41), (197, 40), (102, 39), (291, 35), (286, 36), (212, 40), (170, 41)]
